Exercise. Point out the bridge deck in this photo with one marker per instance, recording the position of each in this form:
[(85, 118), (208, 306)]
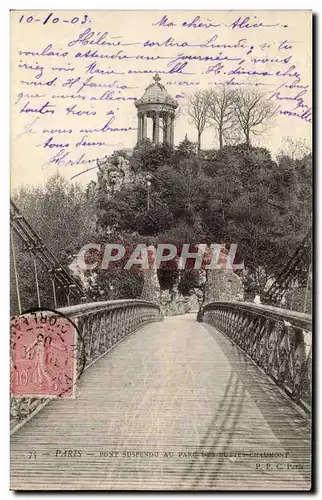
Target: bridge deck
[(176, 387)]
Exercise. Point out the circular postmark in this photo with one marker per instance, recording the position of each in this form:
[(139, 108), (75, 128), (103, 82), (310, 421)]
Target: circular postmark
[(45, 348)]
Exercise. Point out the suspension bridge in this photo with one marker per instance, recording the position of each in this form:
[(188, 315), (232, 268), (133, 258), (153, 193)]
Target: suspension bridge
[(217, 401)]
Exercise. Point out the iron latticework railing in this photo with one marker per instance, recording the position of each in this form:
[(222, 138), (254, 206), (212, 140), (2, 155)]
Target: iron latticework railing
[(296, 270), (278, 340), (101, 326)]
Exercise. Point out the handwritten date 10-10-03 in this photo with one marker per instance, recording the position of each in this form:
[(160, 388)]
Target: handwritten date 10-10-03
[(53, 19)]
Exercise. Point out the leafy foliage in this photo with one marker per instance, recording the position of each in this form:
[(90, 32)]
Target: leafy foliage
[(237, 194)]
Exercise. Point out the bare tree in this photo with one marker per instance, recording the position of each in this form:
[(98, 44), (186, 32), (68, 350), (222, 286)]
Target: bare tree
[(221, 113), (294, 148), (253, 112), (198, 105)]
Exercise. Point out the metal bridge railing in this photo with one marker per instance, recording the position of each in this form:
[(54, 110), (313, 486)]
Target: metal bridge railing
[(101, 326), (298, 270), (278, 340)]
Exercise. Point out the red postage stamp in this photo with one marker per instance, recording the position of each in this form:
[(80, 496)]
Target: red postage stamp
[(43, 355)]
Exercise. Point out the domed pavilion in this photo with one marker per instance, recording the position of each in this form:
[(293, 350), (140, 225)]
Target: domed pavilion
[(157, 104)]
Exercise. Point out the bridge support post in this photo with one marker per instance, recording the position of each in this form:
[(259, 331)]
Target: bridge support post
[(222, 284), (151, 286)]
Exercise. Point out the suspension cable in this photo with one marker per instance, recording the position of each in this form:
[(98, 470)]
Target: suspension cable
[(15, 271)]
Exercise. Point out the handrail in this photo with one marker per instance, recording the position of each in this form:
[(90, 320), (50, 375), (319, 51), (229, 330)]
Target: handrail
[(299, 319), (108, 304), (278, 340), (101, 326)]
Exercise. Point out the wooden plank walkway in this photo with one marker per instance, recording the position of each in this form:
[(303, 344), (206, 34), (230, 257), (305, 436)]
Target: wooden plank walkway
[(175, 406)]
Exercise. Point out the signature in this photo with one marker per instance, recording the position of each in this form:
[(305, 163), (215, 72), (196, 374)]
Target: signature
[(64, 159)]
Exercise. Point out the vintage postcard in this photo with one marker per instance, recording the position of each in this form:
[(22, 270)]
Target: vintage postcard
[(161, 260)]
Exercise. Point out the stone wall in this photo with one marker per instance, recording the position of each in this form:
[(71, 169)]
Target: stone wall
[(223, 284), (173, 303)]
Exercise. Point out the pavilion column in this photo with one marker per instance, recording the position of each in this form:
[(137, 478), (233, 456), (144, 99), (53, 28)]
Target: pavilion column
[(139, 136), (165, 133), (145, 128), (172, 131), (168, 129), (153, 128), (156, 129)]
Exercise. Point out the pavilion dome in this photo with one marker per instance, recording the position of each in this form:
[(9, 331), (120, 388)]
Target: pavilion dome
[(156, 93)]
